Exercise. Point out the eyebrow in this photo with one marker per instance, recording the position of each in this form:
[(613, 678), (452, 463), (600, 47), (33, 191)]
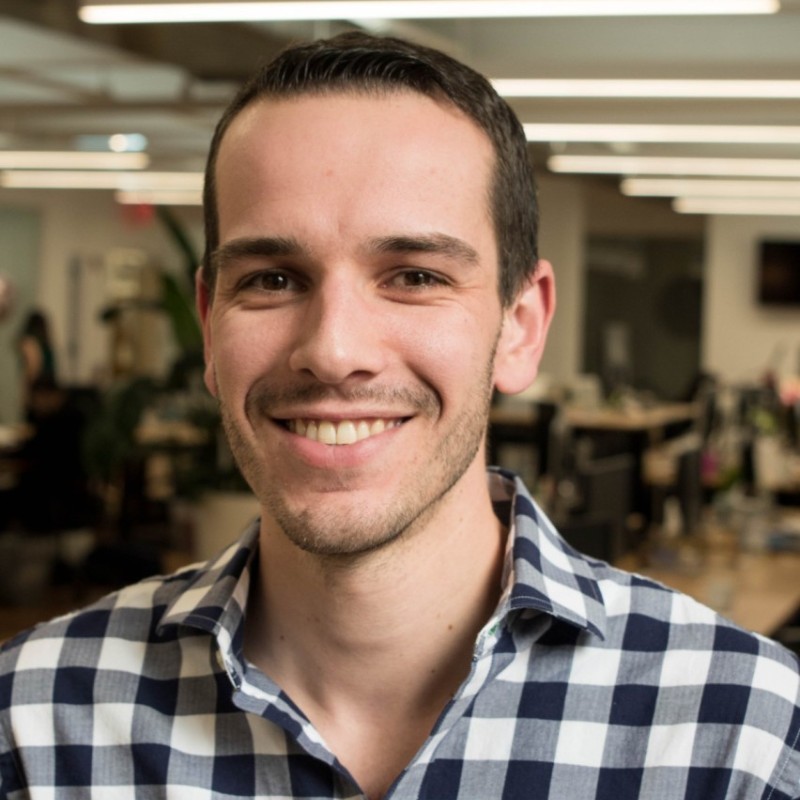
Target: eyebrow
[(436, 243), (255, 246), (270, 246)]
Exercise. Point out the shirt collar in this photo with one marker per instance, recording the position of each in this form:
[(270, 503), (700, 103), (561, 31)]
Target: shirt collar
[(216, 592), (542, 573)]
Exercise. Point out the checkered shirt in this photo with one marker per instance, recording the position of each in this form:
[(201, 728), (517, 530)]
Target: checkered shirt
[(586, 683)]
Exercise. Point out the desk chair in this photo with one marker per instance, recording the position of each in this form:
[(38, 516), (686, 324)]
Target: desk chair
[(605, 488)]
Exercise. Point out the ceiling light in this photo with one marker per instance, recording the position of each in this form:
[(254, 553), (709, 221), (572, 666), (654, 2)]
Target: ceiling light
[(736, 205), (117, 143), (108, 13), (711, 134), (675, 187), (75, 179), (70, 159), (127, 142), (648, 89), (662, 165), (161, 197)]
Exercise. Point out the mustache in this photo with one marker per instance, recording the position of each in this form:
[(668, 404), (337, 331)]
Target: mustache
[(265, 396)]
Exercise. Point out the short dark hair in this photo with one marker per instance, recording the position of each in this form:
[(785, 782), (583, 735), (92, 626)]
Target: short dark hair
[(357, 62)]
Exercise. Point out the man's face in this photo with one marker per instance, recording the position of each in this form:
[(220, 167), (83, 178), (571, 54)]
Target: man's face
[(352, 334)]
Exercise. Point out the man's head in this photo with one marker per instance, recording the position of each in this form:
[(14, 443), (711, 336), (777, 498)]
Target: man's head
[(358, 63), (356, 331)]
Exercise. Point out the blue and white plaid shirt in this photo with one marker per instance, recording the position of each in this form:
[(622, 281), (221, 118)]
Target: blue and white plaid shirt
[(586, 683)]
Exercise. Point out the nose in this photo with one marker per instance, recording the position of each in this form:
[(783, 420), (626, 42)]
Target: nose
[(339, 336)]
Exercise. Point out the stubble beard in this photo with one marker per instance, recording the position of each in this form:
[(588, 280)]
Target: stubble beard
[(346, 533)]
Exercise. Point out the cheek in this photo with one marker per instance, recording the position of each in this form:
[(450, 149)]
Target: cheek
[(454, 357), (243, 350)]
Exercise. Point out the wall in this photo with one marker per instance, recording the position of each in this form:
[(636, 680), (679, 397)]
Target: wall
[(561, 241), (642, 326), (740, 338), (656, 296), (610, 213)]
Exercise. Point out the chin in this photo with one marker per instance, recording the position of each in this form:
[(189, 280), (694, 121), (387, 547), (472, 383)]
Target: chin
[(348, 528)]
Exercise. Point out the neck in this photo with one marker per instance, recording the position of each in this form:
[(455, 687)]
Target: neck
[(329, 628)]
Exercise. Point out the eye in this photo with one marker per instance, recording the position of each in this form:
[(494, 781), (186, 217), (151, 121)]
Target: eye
[(275, 281), (416, 279)]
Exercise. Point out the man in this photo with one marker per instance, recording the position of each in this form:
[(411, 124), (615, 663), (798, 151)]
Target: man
[(396, 624)]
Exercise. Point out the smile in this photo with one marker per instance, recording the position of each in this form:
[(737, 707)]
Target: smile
[(347, 431)]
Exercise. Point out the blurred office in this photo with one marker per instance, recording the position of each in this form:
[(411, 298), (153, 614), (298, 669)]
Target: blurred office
[(662, 433)]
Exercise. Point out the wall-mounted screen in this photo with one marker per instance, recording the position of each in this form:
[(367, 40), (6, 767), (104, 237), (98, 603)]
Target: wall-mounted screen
[(779, 273)]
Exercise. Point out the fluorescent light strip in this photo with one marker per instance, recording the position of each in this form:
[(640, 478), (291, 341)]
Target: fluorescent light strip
[(736, 205), (670, 187), (712, 134), (160, 197), (656, 165), (648, 89), (102, 13), (70, 159), (66, 179)]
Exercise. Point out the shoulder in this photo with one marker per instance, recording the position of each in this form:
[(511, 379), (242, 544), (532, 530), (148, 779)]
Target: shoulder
[(698, 683), (79, 641), (739, 671), (80, 680), (645, 614)]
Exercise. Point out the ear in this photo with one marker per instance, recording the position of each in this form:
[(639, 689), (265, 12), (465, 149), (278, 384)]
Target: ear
[(524, 332), (203, 298)]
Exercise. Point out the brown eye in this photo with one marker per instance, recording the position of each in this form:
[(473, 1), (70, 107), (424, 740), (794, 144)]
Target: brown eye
[(416, 279), (271, 281)]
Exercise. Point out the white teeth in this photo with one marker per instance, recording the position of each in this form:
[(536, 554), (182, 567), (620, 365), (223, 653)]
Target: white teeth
[(326, 433), (345, 432)]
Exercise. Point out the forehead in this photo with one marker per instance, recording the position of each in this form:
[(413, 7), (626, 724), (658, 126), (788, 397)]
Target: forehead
[(314, 129), (395, 158)]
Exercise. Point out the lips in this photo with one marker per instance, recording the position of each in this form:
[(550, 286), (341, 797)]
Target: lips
[(340, 432)]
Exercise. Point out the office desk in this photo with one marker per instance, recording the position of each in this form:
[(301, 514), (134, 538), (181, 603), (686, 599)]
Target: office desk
[(13, 437), (631, 430), (652, 420), (759, 591)]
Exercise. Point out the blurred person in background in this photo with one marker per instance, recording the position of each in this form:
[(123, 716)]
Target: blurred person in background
[(37, 358)]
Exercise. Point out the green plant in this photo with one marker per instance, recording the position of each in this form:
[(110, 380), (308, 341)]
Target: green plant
[(110, 440)]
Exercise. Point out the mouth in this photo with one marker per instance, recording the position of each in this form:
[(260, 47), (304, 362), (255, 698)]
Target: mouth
[(340, 432)]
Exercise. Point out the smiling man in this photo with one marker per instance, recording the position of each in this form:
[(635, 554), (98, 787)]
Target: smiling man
[(355, 289), (398, 623)]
